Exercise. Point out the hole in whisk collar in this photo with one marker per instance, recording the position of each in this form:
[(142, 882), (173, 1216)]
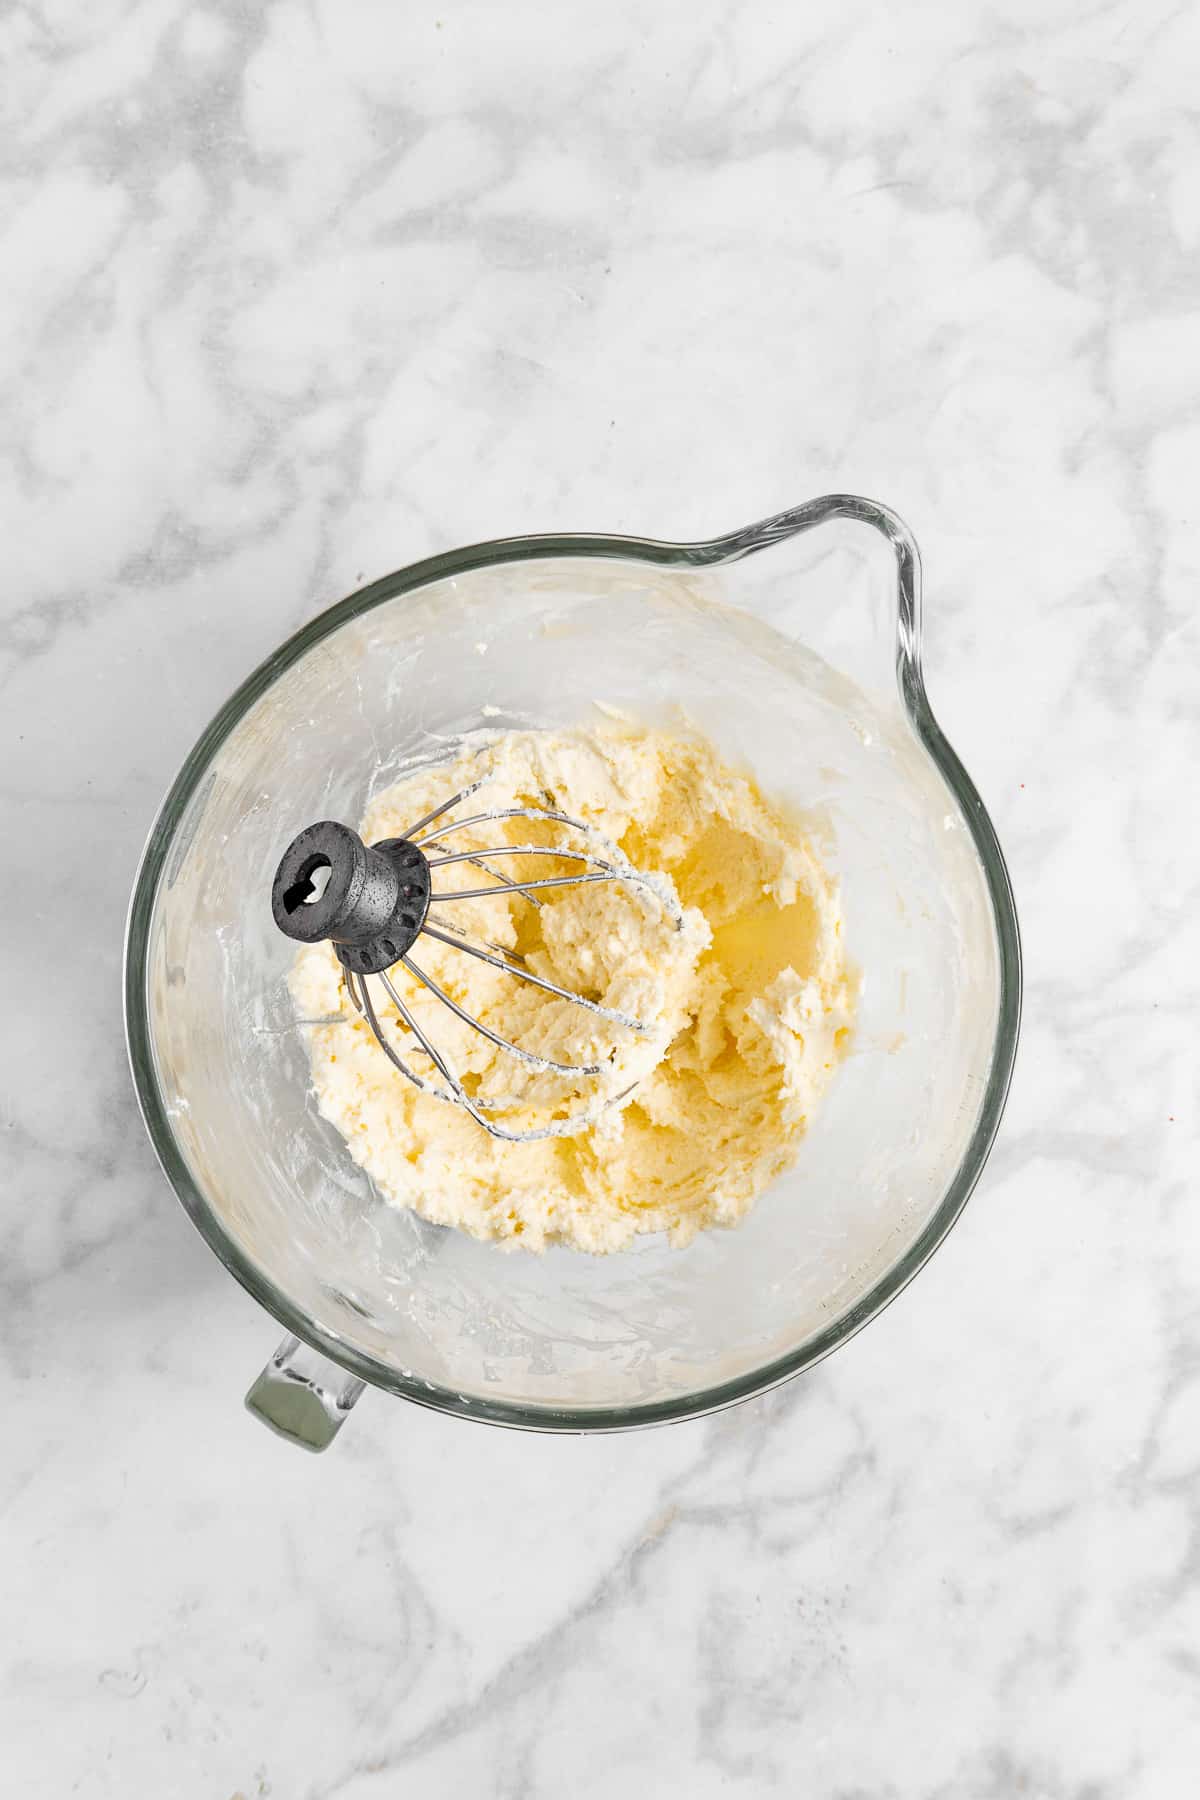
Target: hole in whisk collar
[(312, 879)]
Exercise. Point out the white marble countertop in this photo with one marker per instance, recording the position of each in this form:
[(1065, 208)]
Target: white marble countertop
[(297, 294)]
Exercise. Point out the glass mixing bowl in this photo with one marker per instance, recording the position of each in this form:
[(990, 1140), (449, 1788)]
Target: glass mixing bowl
[(797, 651)]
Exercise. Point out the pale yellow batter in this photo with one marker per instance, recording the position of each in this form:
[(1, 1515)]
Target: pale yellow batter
[(750, 1002)]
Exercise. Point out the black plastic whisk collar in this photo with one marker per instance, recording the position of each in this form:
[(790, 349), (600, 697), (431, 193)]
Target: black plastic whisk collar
[(369, 901)]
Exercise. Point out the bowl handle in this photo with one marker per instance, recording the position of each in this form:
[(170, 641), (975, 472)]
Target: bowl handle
[(303, 1396)]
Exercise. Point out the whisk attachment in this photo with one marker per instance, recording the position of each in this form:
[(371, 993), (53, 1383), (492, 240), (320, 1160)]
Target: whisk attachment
[(375, 903)]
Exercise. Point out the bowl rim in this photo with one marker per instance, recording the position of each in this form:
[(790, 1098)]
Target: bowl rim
[(710, 553)]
